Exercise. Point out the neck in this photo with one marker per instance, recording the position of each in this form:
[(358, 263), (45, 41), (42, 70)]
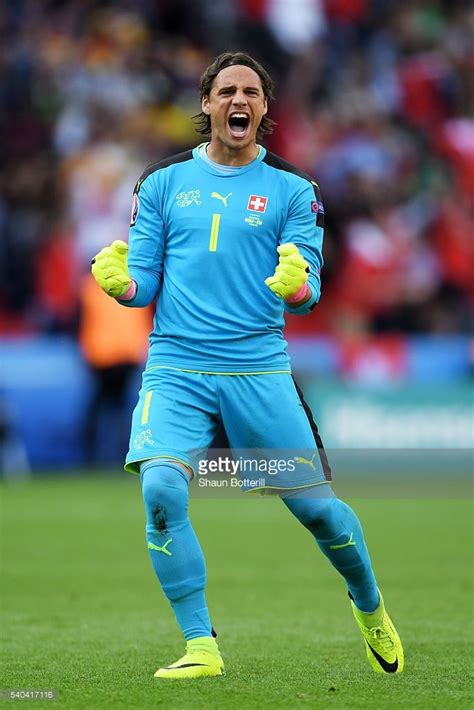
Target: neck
[(224, 155)]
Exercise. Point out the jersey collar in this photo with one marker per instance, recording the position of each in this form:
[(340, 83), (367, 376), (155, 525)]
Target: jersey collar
[(239, 170)]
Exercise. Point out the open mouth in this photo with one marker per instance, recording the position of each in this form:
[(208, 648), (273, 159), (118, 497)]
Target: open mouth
[(239, 124)]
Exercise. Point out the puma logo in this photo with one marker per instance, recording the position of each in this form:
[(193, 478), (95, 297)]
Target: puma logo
[(346, 544), (219, 197), (309, 462), (163, 549)]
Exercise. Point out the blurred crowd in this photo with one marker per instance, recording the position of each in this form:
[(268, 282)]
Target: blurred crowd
[(373, 98)]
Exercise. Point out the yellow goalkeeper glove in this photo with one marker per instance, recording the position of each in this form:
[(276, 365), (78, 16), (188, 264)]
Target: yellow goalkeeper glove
[(291, 275), (110, 270)]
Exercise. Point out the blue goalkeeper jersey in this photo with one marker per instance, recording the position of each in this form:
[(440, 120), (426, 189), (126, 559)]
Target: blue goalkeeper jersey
[(202, 241)]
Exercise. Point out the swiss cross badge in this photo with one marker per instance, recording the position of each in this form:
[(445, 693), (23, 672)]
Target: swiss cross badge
[(257, 203)]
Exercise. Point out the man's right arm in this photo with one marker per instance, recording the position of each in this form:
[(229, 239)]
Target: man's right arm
[(146, 242), (134, 279)]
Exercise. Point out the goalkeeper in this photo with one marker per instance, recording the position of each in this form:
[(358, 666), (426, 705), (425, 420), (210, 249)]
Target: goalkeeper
[(227, 237)]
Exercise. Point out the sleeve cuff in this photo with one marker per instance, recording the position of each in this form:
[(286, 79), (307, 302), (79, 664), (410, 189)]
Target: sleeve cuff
[(130, 293), (305, 307)]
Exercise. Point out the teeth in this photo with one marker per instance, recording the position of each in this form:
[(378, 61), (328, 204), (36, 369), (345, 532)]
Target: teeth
[(238, 115)]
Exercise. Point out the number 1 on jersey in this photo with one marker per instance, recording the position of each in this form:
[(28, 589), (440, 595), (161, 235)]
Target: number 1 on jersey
[(216, 220)]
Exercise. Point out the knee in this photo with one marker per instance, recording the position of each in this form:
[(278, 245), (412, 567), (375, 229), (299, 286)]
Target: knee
[(321, 512), (313, 512), (165, 494)]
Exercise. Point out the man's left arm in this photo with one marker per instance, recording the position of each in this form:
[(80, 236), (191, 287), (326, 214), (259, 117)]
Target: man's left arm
[(297, 276)]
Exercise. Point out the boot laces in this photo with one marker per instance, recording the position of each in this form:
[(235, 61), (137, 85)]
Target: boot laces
[(190, 651), (381, 636)]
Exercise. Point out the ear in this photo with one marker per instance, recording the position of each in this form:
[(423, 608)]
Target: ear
[(205, 105), (265, 103)]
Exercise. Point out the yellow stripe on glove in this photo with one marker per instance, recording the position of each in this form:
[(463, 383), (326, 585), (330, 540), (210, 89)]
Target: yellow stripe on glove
[(291, 273), (110, 269)]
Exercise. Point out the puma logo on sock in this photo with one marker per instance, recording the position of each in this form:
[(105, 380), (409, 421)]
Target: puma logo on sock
[(151, 546), (346, 544)]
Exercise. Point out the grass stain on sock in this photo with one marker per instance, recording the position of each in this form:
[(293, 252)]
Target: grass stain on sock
[(159, 519)]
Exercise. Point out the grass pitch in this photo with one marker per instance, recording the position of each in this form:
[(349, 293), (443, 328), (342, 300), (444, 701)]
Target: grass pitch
[(82, 613)]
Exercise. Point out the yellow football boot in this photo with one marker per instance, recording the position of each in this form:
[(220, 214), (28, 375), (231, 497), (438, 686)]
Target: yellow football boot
[(201, 660), (382, 643)]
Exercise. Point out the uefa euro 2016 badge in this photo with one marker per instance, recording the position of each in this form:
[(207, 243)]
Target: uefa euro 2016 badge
[(253, 220), (135, 209)]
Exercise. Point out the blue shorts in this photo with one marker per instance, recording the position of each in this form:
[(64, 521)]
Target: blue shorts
[(179, 414)]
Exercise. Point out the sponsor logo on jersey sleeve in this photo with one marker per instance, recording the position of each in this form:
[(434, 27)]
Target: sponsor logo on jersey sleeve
[(135, 209), (257, 203), (317, 207)]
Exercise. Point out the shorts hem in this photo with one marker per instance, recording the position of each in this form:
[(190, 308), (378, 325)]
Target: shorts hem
[(133, 466), (230, 373), (292, 487)]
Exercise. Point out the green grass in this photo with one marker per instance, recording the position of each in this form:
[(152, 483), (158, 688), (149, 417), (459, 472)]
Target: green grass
[(83, 615)]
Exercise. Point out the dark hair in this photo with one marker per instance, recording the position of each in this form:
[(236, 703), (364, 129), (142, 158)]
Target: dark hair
[(231, 59)]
